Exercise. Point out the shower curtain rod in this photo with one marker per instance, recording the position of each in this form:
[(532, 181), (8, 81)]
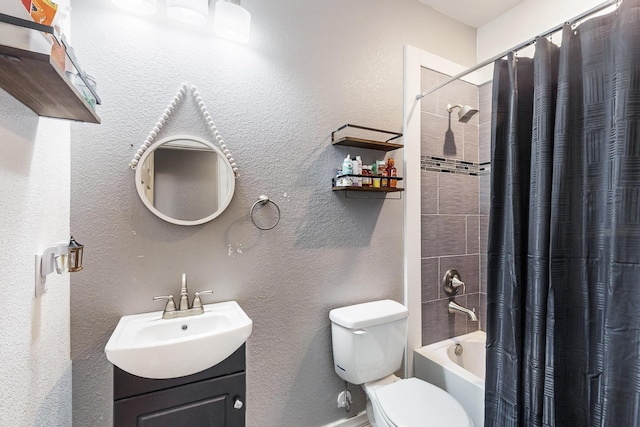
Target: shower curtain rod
[(586, 14)]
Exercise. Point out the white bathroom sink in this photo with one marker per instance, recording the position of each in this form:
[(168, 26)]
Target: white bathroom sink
[(149, 346)]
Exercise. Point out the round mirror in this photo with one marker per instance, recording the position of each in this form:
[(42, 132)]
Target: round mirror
[(185, 180)]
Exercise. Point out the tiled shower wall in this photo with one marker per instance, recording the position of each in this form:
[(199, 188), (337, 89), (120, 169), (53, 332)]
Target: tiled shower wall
[(454, 203)]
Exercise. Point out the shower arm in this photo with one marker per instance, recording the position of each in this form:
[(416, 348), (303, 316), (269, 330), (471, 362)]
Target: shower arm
[(547, 33)]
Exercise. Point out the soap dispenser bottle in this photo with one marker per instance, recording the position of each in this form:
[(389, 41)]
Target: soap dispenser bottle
[(347, 169), (357, 169)]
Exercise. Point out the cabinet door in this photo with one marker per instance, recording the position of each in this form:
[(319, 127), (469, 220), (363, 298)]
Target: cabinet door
[(208, 403)]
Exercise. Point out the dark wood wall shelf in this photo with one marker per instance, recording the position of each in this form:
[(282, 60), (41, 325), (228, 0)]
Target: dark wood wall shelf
[(371, 144), (367, 143), (38, 82)]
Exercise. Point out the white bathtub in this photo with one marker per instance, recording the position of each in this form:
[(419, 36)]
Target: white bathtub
[(461, 376)]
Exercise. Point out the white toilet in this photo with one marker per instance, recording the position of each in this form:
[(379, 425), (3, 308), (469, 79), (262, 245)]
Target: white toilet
[(368, 345)]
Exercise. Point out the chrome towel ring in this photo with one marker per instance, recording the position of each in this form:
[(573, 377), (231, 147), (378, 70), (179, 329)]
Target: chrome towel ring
[(263, 200)]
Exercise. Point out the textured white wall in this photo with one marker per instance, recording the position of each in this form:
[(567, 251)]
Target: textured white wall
[(311, 66), (35, 368), (525, 21)]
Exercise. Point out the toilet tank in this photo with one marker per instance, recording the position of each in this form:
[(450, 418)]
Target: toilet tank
[(368, 340)]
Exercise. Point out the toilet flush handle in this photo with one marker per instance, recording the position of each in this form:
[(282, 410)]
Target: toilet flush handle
[(360, 332)]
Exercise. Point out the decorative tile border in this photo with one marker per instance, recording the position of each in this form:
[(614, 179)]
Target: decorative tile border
[(439, 164)]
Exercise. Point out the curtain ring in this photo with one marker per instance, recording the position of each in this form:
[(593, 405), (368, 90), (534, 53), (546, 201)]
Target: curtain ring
[(263, 200)]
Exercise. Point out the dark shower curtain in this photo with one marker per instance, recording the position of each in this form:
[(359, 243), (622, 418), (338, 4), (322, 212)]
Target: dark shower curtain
[(563, 302)]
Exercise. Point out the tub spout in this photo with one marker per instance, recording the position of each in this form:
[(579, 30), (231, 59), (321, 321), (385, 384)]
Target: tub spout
[(456, 308)]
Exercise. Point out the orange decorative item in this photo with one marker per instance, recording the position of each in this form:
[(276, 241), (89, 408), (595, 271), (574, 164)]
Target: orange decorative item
[(43, 11)]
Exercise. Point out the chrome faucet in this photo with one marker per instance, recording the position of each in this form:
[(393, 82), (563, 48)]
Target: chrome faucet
[(183, 310), (184, 294), (456, 308)]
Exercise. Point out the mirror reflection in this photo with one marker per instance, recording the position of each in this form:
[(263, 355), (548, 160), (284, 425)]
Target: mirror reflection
[(185, 180)]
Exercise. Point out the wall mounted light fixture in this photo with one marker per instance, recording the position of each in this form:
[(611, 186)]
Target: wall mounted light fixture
[(141, 7), (193, 12), (231, 21), (64, 256), (76, 250)]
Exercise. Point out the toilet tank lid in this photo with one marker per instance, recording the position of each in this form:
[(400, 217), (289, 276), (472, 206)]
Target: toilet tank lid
[(368, 314)]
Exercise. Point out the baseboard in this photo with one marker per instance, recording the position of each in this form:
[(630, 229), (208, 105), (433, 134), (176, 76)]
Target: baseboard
[(359, 420)]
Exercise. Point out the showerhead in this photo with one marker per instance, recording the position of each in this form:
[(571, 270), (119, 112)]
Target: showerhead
[(465, 113)]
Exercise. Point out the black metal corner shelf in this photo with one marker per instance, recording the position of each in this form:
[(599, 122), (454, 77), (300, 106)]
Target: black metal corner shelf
[(371, 144), (381, 189), (36, 80), (369, 189)]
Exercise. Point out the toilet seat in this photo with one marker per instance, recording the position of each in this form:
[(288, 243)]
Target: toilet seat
[(415, 403)]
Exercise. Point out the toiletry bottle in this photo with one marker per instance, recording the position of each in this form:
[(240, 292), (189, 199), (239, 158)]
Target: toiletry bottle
[(382, 171), (354, 165), (366, 171), (337, 181), (376, 181), (392, 172), (347, 169), (358, 171)]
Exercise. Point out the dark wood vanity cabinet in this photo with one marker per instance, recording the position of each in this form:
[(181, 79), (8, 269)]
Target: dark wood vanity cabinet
[(211, 398)]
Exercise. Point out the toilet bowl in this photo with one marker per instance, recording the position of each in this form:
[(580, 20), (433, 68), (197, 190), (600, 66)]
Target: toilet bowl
[(368, 342), (393, 402)]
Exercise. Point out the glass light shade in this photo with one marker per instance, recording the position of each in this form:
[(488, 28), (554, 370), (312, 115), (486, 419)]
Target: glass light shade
[(232, 22), (142, 7), (192, 12), (75, 255)]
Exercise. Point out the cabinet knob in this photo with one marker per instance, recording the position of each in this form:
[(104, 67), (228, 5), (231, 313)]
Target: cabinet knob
[(238, 404)]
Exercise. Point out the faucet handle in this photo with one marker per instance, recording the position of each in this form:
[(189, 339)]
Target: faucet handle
[(452, 283), (197, 303), (171, 305), (456, 283)]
